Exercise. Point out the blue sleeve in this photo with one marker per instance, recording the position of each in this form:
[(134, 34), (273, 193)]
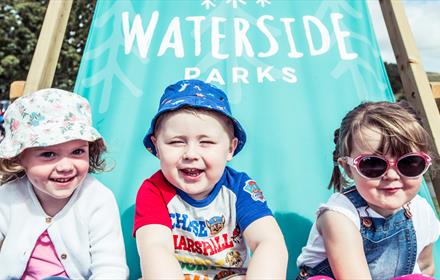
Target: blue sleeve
[(251, 204)]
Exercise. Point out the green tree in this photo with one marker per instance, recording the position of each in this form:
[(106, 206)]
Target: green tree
[(396, 81), (20, 24), (74, 42), (394, 78)]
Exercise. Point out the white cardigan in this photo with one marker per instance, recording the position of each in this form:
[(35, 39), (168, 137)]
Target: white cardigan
[(86, 233)]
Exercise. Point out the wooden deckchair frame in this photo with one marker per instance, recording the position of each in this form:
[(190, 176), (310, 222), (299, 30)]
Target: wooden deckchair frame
[(47, 51), (414, 80)]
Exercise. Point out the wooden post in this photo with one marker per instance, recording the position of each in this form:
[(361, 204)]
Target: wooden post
[(47, 51), (16, 90), (435, 87), (414, 80)]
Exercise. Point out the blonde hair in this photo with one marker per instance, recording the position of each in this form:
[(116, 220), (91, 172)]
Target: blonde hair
[(10, 169), (228, 123), (398, 123)]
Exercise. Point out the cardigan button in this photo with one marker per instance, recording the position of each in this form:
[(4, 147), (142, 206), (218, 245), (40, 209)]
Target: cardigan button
[(48, 220), (63, 256)]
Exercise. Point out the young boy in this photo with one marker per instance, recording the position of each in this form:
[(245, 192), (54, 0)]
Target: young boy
[(195, 216)]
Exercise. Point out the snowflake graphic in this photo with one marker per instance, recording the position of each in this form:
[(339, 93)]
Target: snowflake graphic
[(262, 3), (104, 75), (208, 4), (235, 3)]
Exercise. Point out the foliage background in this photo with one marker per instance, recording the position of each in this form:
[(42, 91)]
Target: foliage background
[(20, 24)]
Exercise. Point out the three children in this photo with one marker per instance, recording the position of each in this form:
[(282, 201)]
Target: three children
[(56, 219), (196, 217)]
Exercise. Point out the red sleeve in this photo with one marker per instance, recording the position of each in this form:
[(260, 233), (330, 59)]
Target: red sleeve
[(151, 202)]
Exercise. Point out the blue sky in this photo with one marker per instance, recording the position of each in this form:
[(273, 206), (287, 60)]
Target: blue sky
[(424, 19)]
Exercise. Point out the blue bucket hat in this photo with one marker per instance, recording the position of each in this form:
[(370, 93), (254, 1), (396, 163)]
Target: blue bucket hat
[(195, 94)]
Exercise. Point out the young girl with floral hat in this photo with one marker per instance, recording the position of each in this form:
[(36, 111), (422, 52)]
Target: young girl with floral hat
[(56, 219)]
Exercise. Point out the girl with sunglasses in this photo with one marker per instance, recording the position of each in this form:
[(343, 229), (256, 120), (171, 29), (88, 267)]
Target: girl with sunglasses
[(375, 225)]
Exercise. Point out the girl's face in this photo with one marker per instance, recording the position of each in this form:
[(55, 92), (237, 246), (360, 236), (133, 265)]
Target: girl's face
[(56, 171), (388, 193)]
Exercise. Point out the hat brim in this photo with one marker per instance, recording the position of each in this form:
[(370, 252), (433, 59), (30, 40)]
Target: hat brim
[(10, 149), (238, 129)]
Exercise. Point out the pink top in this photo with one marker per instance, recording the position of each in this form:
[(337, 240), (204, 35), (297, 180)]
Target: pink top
[(44, 261)]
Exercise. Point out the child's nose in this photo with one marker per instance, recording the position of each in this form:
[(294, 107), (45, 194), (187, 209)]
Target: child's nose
[(64, 165), (392, 173), (191, 152)]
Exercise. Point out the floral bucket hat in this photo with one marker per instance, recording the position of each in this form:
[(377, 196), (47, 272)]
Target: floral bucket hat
[(44, 118), (196, 94)]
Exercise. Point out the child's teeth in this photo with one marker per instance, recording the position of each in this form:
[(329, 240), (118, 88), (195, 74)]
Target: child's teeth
[(62, 180), (192, 171)]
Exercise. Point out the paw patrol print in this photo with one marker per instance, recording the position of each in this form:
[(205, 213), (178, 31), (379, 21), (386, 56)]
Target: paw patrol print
[(223, 274), (177, 102), (183, 87), (236, 234), (198, 88), (215, 224), (233, 258), (252, 188), (166, 101)]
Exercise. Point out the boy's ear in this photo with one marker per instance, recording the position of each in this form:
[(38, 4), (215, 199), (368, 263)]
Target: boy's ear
[(232, 147), (154, 140), (343, 163)]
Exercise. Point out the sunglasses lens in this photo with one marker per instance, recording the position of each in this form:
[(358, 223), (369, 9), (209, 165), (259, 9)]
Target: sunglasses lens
[(372, 167), (412, 166)]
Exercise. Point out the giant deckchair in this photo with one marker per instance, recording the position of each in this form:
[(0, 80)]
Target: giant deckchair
[(292, 70)]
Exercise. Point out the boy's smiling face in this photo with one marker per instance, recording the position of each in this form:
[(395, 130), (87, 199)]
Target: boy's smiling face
[(193, 148)]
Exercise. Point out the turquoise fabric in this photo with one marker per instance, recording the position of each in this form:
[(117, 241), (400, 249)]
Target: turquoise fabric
[(291, 69)]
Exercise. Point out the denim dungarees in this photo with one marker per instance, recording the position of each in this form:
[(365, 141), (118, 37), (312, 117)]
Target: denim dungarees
[(390, 244)]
